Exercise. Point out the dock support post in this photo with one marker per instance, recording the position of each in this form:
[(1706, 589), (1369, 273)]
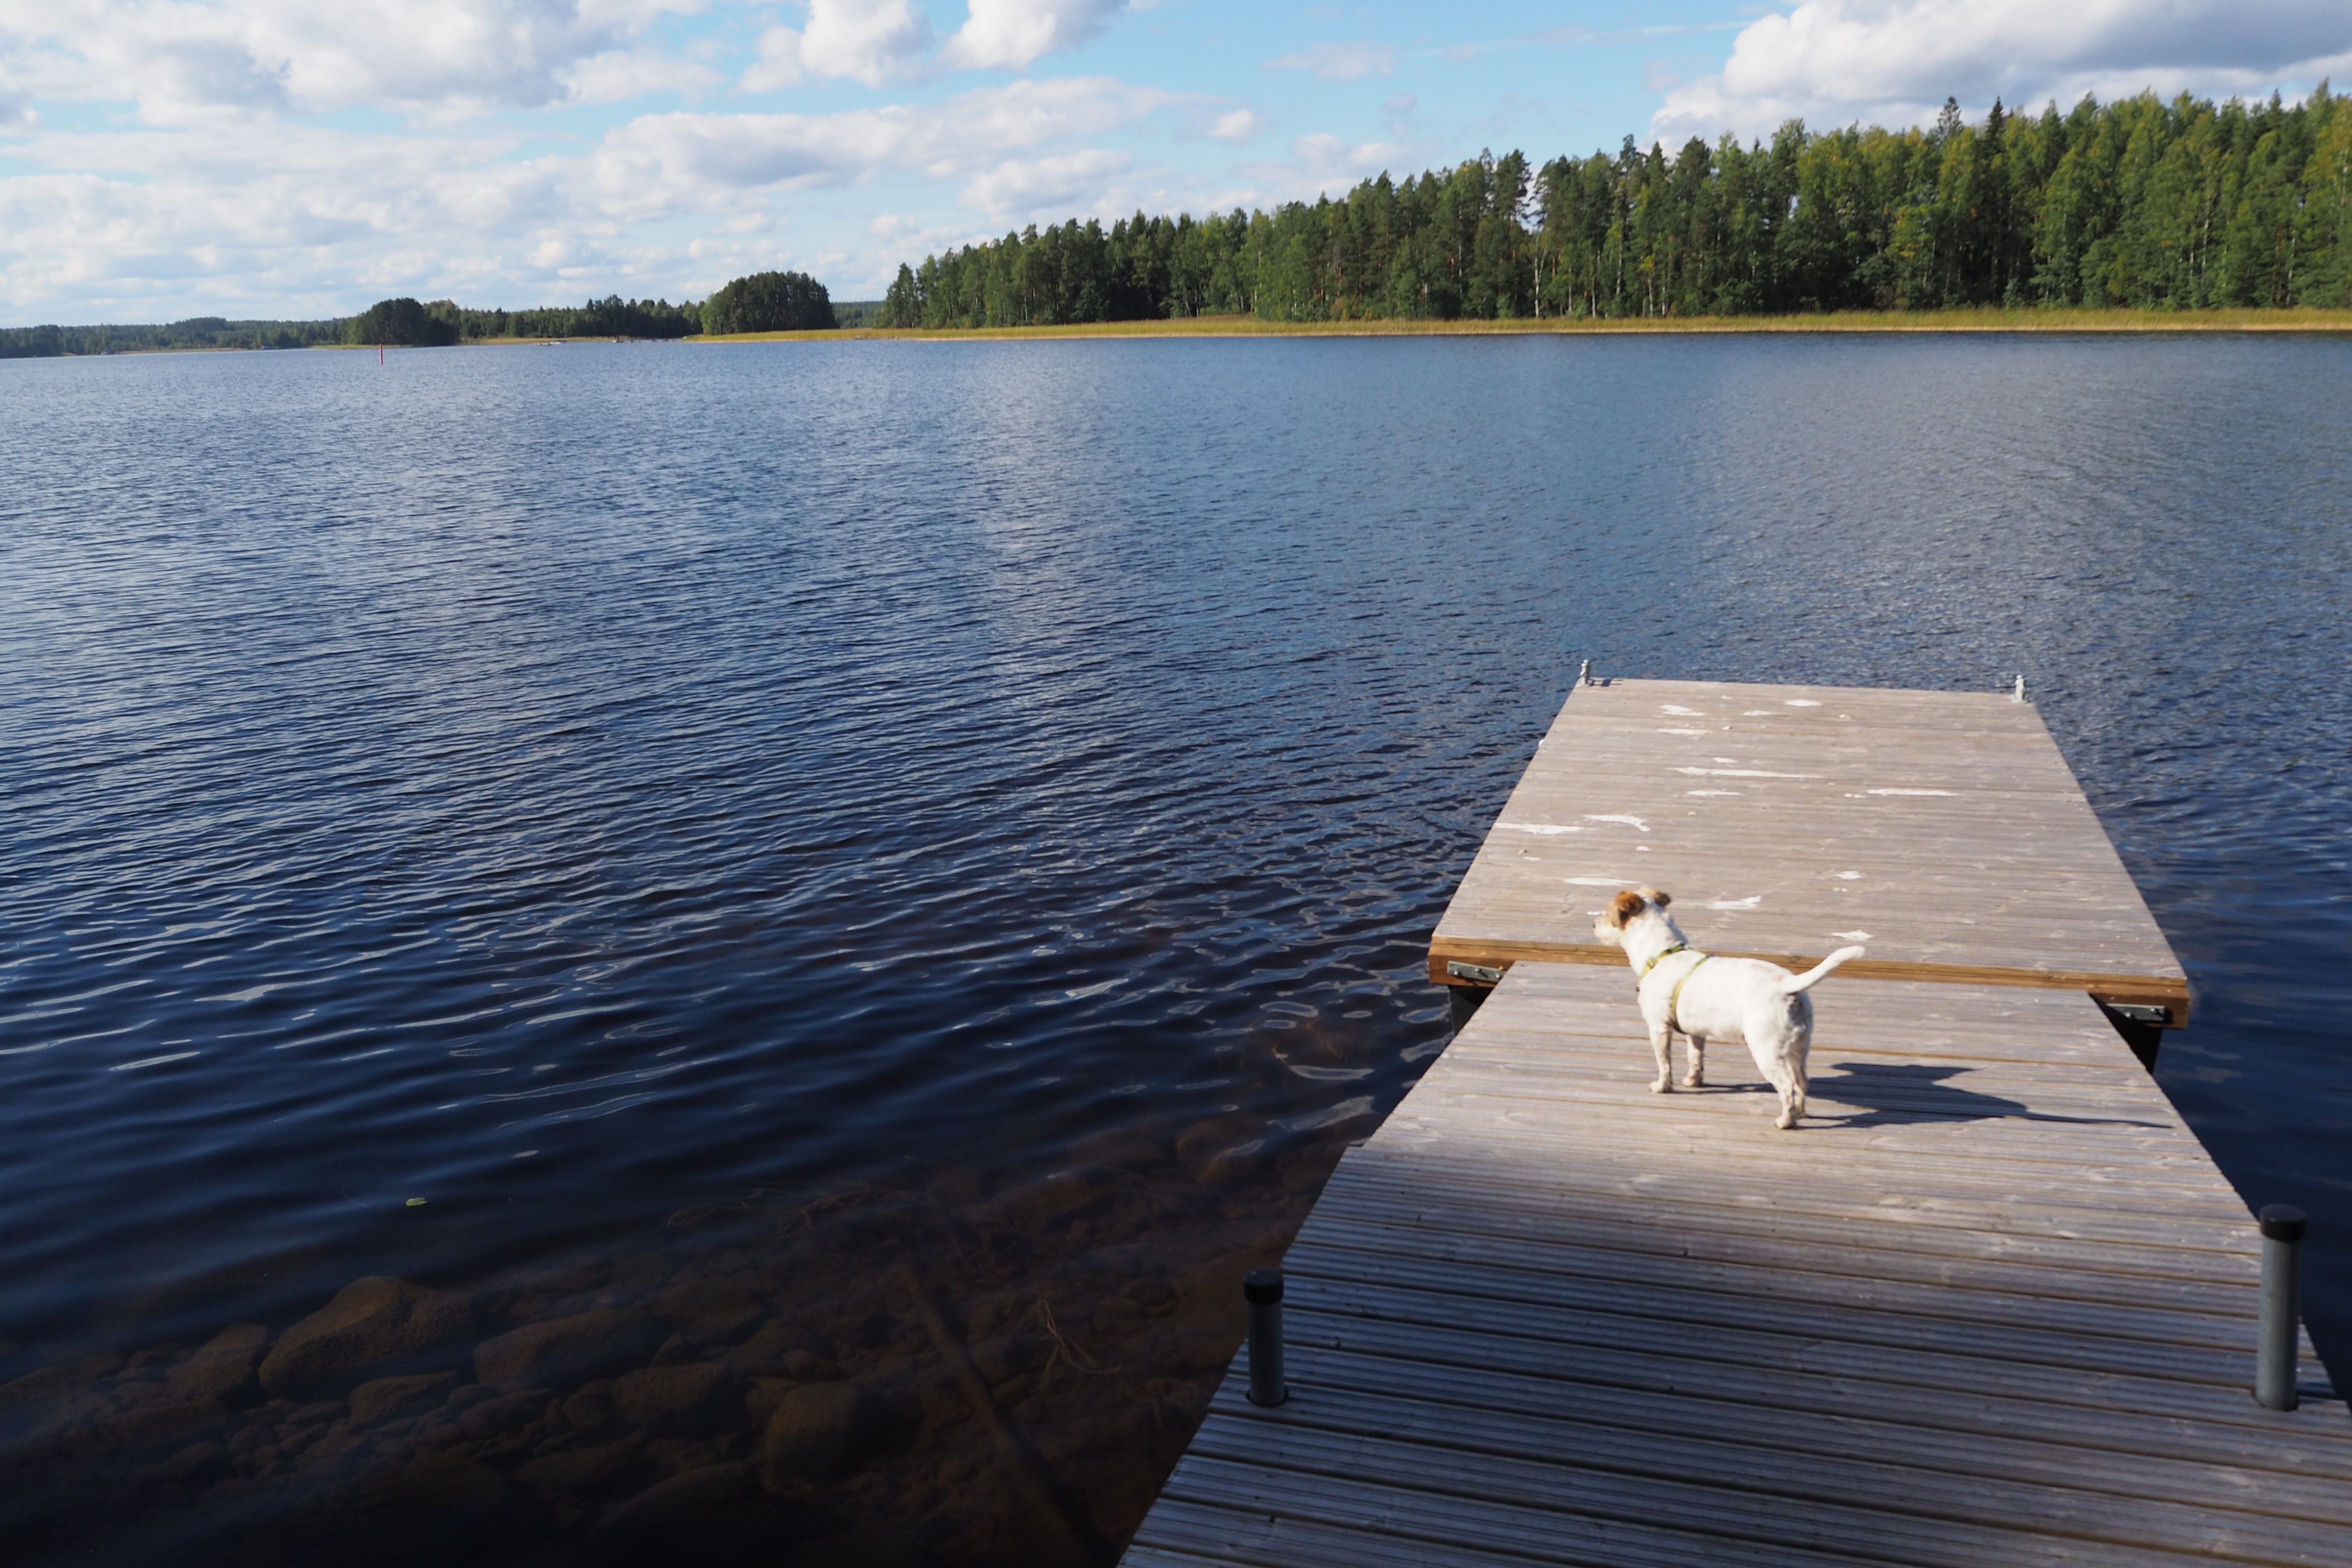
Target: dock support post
[(2275, 1364), (1262, 1287)]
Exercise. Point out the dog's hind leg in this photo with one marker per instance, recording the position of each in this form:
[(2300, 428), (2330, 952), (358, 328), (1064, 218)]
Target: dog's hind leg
[(1661, 1043), (1795, 1046), (1696, 1075), (1787, 1076), (1799, 1079)]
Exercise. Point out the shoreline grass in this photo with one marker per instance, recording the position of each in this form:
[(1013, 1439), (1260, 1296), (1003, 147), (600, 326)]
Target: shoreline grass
[(1968, 321)]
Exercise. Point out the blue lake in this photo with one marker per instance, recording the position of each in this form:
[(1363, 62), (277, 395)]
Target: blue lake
[(605, 828)]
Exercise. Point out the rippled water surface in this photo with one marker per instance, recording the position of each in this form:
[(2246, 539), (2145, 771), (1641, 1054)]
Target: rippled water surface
[(899, 865)]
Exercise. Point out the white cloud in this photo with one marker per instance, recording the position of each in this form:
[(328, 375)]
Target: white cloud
[(137, 224), (1239, 126), (779, 61), (658, 164), (1009, 34), (1054, 184), (15, 107), (621, 75), (1339, 62), (872, 41), (1895, 61), (182, 60), (1324, 165)]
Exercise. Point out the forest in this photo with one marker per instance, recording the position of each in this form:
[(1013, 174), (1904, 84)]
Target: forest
[(197, 333), (445, 321), (2178, 206), (764, 302)]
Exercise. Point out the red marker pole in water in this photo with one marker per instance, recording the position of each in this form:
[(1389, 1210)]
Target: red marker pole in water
[(379, 353)]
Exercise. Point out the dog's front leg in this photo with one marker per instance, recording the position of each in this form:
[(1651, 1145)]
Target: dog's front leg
[(1696, 1077), (1662, 1043)]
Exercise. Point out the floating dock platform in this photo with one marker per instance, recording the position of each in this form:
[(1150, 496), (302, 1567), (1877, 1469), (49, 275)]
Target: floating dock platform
[(1989, 1303), (1941, 829)]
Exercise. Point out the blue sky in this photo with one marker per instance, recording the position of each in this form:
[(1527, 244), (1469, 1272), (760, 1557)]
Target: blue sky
[(167, 158)]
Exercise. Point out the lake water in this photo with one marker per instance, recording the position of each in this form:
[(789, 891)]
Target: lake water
[(810, 851)]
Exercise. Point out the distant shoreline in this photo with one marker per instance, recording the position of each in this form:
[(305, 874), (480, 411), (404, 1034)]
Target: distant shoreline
[(1977, 320), (1967, 321)]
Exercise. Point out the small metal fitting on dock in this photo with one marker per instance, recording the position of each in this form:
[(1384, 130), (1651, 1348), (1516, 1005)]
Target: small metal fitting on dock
[(1584, 676), (2019, 694), (1262, 1288), (2274, 1363)]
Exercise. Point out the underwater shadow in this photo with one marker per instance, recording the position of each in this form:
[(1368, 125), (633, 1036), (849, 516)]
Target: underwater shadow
[(1897, 1093)]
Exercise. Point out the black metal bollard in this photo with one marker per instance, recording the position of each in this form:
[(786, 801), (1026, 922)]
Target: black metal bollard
[(1262, 1288), (2275, 1361)]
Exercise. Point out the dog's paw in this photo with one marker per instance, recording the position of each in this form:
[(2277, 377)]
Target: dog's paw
[(1695, 1080), (1785, 1120), (1662, 1086)]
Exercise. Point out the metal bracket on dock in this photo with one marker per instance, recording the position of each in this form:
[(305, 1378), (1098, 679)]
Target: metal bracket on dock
[(1476, 974), (2141, 1013)]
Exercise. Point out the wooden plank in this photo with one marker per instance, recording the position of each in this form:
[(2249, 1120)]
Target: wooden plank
[(1748, 1450), (1634, 1220), (1352, 1525), (1978, 1295), (1892, 1328), (1496, 1499), (1349, 1349), (1628, 1350)]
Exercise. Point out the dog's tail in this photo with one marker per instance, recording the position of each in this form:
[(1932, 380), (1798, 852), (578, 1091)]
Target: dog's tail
[(1819, 972)]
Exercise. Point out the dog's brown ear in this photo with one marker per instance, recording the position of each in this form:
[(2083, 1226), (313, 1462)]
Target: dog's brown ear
[(1623, 908), (1656, 896)]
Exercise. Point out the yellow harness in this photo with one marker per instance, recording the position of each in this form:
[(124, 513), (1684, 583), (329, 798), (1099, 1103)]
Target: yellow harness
[(1673, 999)]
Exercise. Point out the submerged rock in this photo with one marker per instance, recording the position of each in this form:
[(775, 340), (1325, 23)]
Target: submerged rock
[(708, 1311), (369, 1323), (1055, 1197), (1224, 1150), (1121, 1149), (495, 1417), (787, 1348), (583, 1471), (566, 1351), (682, 1501), (380, 1400), (682, 1401), (590, 1411), (822, 1432), (154, 1422), (224, 1370)]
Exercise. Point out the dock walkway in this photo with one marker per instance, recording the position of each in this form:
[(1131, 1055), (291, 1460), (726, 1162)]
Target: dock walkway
[(1991, 1303)]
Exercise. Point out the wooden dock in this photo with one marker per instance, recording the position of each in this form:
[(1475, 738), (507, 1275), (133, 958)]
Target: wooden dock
[(1991, 1303)]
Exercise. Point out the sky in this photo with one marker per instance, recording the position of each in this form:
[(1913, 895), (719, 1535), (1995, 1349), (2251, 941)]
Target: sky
[(161, 158)]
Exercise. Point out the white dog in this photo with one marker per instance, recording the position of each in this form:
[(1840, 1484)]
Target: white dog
[(1708, 997)]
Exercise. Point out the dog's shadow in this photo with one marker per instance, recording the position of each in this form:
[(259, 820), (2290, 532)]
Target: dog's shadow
[(1896, 1093)]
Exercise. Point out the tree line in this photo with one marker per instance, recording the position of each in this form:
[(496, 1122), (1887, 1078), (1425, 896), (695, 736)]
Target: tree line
[(403, 321), (196, 332), (2187, 205), (763, 303)]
